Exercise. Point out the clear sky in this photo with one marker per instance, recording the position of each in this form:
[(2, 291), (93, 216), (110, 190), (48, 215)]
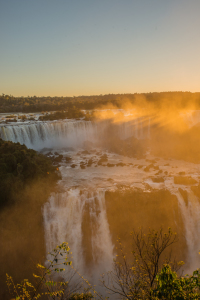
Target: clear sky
[(91, 47)]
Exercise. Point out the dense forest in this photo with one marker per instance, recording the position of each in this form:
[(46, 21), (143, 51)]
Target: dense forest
[(19, 166), (9, 103)]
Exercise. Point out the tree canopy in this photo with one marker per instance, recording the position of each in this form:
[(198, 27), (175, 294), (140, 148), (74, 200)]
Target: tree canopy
[(19, 166)]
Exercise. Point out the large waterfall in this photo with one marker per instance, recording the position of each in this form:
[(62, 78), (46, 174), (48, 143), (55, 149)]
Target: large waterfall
[(50, 134), (69, 133), (190, 209), (79, 217)]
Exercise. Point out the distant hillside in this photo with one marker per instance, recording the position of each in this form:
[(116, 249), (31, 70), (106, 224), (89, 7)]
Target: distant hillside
[(10, 103)]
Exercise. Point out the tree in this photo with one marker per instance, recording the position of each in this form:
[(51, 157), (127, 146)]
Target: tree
[(136, 278), (171, 287), (46, 286)]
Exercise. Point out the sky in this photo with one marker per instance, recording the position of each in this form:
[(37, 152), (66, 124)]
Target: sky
[(92, 47)]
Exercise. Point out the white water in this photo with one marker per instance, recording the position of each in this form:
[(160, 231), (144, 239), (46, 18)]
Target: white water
[(191, 215), (69, 133), (79, 217), (48, 134)]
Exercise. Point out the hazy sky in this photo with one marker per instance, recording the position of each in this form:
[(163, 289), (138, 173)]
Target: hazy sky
[(91, 47)]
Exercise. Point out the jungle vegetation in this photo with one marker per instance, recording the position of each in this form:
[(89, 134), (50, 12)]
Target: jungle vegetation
[(19, 166), (9, 103)]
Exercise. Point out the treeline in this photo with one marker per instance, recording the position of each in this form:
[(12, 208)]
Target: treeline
[(9, 103), (60, 115), (19, 166)]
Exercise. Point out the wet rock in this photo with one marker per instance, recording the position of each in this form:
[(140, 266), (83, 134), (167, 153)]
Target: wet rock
[(104, 156), (181, 173), (110, 179), (90, 162), (85, 152), (110, 165), (156, 167), (121, 164), (103, 159), (159, 172), (73, 165), (158, 179), (147, 169), (58, 158), (184, 180), (68, 159), (49, 153), (82, 165)]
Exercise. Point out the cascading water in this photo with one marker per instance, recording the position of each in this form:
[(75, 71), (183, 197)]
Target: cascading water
[(79, 217), (68, 133), (48, 134), (139, 128), (190, 210)]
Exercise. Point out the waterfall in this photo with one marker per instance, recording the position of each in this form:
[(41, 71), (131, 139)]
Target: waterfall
[(79, 218), (68, 133), (190, 210), (48, 134), (139, 128)]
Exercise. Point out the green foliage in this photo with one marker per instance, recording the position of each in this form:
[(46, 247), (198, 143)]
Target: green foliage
[(72, 113), (45, 285), (19, 166), (170, 286)]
